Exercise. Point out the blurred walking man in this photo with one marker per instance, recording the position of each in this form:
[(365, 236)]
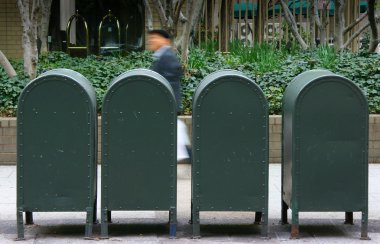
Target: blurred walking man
[(166, 64)]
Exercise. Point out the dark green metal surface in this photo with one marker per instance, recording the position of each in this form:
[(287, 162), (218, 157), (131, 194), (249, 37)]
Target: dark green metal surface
[(230, 147), (325, 146), (139, 139), (57, 146)]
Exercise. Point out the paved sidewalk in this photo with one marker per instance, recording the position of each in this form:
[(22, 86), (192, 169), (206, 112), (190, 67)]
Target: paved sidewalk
[(151, 227)]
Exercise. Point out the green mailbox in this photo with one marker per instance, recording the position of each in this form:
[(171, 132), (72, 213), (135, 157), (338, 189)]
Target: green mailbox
[(325, 148), (139, 140), (56, 147), (230, 148)]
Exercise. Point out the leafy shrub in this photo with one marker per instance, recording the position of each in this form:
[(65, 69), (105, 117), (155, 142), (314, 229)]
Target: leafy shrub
[(99, 70), (362, 68), (327, 56), (271, 69), (10, 89), (263, 55)]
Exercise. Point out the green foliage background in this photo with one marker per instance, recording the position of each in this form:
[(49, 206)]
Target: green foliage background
[(272, 69)]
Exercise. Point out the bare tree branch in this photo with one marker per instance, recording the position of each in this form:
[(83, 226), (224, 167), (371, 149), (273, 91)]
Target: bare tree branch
[(4, 62), (161, 12), (316, 14), (292, 24), (182, 17), (324, 22), (372, 22), (177, 11), (194, 15), (356, 34), (169, 13), (353, 24)]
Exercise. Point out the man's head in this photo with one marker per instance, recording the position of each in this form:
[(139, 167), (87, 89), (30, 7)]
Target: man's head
[(158, 39)]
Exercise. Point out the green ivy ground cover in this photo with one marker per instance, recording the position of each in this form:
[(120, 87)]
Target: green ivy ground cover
[(271, 69)]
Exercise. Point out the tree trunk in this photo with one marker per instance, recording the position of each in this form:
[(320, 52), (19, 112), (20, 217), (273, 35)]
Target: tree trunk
[(312, 23), (325, 22), (208, 21), (372, 22), (29, 18), (232, 28), (149, 16), (29, 44), (224, 26), (292, 25), (193, 19), (176, 12), (169, 12), (169, 25), (161, 12), (260, 20), (178, 41), (216, 14), (323, 36), (339, 24), (44, 24), (321, 21), (6, 65)]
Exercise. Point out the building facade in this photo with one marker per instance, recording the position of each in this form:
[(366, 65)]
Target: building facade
[(10, 29), (130, 14)]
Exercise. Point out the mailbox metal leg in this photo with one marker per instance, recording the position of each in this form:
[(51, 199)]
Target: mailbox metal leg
[(349, 218), (89, 223), (109, 217), (284, 213), (196, 223), (104, 226), (264, 227), (364, 234), (94, 214), (258, 217), (294, 233), (29, 218), (191, 213), (172, 222), (20, 225)]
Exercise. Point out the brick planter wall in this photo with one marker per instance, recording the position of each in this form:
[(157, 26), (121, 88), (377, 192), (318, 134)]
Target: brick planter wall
[(8, 139)]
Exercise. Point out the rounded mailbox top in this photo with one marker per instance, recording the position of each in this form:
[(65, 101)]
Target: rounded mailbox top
[(300, 81), (134, 75), (219, 76), (141, 72), (308, 75), (76, 76), (214, 76), (61, 74), (308, 80)]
